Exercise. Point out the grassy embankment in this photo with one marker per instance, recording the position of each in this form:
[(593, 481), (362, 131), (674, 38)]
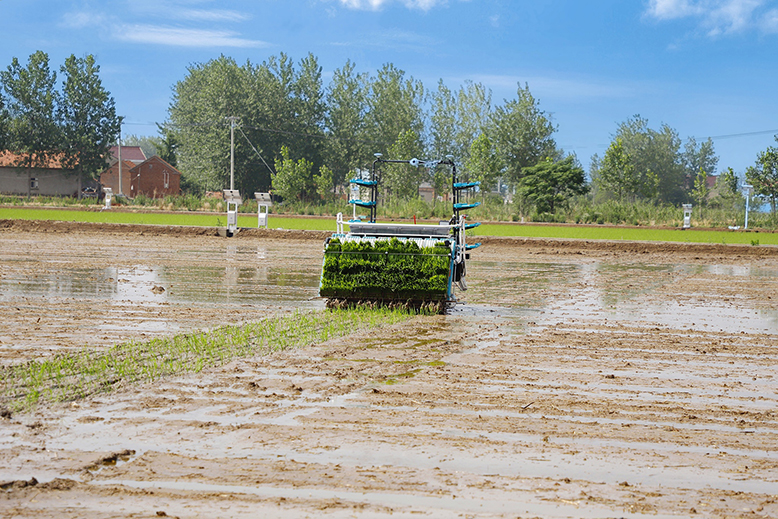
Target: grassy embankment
[(71, 376), (584, 232)]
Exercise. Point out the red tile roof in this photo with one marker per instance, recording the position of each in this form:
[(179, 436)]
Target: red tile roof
[(9, 160), (131, 153)]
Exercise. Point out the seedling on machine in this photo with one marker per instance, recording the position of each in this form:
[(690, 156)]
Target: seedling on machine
[(398, 264)]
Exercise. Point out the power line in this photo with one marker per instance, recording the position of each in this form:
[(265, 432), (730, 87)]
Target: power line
[(746, 134), (255, 151)]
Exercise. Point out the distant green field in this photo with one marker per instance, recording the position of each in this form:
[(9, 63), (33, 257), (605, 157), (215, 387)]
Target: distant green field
[(328, 224)]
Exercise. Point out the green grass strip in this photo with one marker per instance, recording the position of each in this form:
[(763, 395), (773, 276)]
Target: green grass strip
[(151, 218), (71, 376), (580, 232)]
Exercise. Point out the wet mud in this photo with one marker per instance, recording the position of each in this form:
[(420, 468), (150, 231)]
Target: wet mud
[(572, 381)]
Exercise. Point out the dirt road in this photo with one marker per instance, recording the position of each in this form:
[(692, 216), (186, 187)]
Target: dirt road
[(576, 380)]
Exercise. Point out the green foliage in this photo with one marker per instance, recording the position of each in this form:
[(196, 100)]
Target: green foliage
[(549, 183), (88, 116), (643, 163), (700, 191), (32, 100), (293, 179), (764, 175), (483, 163), (325, 183), (385, 270), (401, 181), (522, 134)]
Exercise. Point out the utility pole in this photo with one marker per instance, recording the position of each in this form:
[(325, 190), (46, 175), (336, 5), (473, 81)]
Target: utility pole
[(120, 159), (232, 120)]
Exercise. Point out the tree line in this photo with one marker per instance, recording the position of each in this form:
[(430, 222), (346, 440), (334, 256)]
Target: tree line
[(304, 139), (74, 125)]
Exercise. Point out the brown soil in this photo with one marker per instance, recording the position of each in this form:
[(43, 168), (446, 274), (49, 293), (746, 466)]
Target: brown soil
[(579, 379)]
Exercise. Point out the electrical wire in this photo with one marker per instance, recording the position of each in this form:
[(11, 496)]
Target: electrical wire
[(256, 151)]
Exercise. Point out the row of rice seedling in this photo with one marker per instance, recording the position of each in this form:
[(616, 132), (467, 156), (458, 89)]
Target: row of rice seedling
[(385, 269), (72, 376)]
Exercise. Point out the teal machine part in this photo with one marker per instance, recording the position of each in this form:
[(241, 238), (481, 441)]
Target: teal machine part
[(398, 262)]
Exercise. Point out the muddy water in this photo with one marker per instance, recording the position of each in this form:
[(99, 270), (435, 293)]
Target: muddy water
[(72, 295), (565, 385)]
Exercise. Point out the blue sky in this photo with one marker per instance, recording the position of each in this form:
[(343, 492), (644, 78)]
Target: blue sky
[(704, 67)]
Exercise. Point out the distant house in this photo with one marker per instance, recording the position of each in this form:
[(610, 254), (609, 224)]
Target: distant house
[(153, 177), (132, 154), (50, 180)]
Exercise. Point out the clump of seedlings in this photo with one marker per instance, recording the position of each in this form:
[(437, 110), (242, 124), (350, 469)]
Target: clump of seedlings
[(385, 270), (71, 376)]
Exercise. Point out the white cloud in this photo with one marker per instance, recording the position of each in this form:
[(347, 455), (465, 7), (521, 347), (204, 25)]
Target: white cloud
[(197, 31), (769, 23), (375, 5), (217, 15), (716, 17), (81, 20), (181, 37)]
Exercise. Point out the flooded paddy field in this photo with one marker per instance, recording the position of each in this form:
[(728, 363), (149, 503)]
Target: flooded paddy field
[(574, 380)]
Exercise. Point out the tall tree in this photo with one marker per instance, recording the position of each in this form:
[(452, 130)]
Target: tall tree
[(764, 175), (309, 110), (657, 159), (394, 108), (696, 157), (33, 132), (522, 133), (166, 145), (700, 192), (549, 183), (346, 100), (401, 181), (88, 116), (209, 94), (616, 172), (3, 121), (482, 163), (294, 179), (474, 112)]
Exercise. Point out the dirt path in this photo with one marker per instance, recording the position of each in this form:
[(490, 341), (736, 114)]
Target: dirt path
[(576, 381)]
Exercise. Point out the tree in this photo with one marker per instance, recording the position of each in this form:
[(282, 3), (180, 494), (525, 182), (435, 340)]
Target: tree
[(88, 116), (3, 122), (522, 134), (33, 132), (293, 179), (346, 101), (483, 163), (401, 181), (655, 155), (474, 112), (700, 191), (208, 94), (616, 172), (324, 183), (698, 157), (550, 183), (764, 175), (166, 146), (394, 108)]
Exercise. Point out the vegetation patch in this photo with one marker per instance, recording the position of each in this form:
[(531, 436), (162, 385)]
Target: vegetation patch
[(385, 270), (72, 376)]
